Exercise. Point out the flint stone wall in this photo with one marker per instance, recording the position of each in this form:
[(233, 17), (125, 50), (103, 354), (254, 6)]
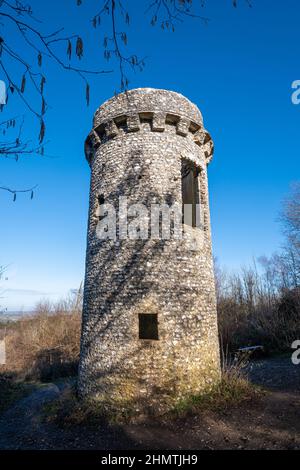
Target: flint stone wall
[(135, 149)]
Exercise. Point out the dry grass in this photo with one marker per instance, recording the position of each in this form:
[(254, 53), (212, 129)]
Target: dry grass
[(233, 389), (46, 344)]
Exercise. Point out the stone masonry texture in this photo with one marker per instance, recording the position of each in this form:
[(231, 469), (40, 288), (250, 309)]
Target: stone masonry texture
[(135, 150)]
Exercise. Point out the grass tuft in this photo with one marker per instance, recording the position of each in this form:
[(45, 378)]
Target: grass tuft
[(233, 389)]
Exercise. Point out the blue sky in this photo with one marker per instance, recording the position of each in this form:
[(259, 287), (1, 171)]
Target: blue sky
[(238, 69)]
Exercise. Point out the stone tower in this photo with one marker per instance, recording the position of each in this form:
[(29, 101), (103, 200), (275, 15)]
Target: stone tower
[(149, 332)]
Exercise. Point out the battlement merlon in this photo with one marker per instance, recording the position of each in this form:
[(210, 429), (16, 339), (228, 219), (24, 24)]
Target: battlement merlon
[(128, 110)]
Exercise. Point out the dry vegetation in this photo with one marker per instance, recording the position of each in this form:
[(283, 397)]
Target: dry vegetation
[(251, 314), (233, 389), (45, 345)]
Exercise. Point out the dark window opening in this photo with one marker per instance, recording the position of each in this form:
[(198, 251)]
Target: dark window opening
[(148, 326), (100, 211), (190, 193), (101, 199)]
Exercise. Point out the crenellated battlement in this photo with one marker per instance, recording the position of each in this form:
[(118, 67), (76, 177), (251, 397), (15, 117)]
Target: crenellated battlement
[(157, 121), (128, 112)]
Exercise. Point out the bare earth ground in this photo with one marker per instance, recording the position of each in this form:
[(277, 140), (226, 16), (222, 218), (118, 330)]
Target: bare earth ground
[(271, 422)]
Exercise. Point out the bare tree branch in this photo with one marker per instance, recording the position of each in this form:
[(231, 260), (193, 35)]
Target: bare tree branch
[(41, 45)]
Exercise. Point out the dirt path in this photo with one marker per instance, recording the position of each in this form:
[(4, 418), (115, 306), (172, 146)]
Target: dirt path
[(23, 427), (276, 373), (272, 422)]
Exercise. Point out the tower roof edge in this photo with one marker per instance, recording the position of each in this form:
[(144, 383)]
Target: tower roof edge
[(140, 100)]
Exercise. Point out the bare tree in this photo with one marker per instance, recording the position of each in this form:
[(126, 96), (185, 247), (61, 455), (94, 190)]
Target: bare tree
[(24, 68), (290, 219), (282, 269)]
